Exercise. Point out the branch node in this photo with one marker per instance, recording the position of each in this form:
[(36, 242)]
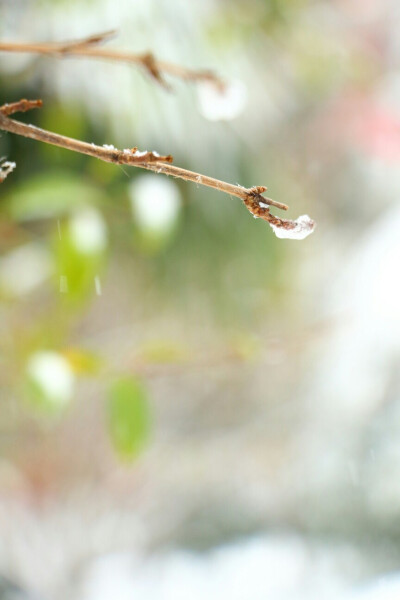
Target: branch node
[(21, 106), (257, 190), (151, 65), (255, 194)]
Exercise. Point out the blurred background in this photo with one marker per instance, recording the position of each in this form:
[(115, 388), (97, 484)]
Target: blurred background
[(191, 407)]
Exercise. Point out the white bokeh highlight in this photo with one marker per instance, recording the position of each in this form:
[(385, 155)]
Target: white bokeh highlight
[(24, 268), (52, 373), (156, 203), (88, 231), (225, 103)]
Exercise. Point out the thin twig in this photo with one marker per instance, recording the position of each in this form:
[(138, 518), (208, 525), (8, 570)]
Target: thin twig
[(89, 48), (256, 203), (107, 153)]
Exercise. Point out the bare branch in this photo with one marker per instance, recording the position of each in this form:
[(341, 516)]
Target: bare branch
[(89, 48), (129, 156), (97, 38), (256, 203)]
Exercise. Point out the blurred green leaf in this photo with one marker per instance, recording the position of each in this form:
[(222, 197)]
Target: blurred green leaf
[(79, 248), (50, 195), (129, 416), (66, 119)]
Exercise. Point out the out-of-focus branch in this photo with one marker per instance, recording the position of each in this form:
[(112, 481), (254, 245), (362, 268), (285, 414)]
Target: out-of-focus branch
[(256, 203), (89, 48)]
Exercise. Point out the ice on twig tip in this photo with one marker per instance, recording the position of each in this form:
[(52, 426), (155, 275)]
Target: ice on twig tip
[(303, 227), (221, 103)]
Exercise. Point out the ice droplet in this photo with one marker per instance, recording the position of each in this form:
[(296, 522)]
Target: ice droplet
[(303, 228)]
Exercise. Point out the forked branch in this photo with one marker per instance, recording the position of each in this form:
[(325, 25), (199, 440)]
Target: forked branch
[(256, 203), (90, 48)]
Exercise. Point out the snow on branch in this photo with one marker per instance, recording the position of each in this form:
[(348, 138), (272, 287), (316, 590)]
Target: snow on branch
[(89, 47), (253, 198), (6, 168)]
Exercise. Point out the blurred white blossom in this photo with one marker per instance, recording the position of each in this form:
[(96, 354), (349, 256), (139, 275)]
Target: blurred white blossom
[(88, 231), (24, 268), (52, 375), (156, 202), (221, 103)]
